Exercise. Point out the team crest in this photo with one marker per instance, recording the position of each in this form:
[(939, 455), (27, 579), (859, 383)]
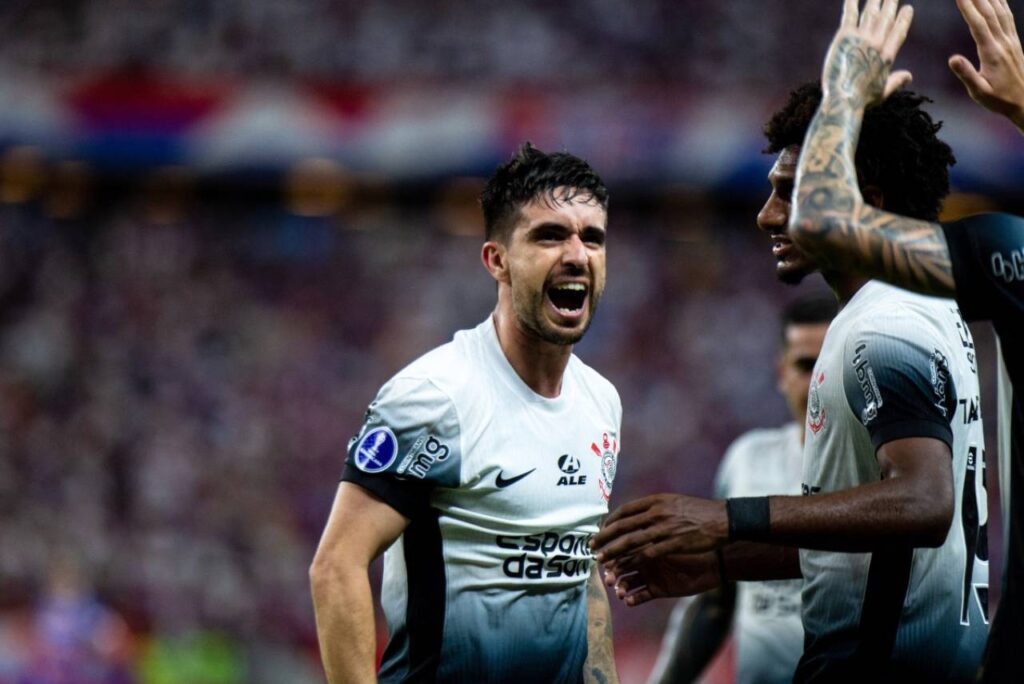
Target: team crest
[(816, 413), (376, 451), (606, 450)]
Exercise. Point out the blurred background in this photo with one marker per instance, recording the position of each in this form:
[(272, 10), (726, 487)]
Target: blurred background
[(223, 225)]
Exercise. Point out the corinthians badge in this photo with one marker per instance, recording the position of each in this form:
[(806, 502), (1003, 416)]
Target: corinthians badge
[(816, 413), (606, 450)]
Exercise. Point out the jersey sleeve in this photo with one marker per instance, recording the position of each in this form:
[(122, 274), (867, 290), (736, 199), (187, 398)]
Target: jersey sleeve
[(409, 444), (987, 253), (898, 385)]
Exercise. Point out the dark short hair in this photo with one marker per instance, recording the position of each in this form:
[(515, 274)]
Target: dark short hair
[(808, 310), (899, 151), (528, 175)]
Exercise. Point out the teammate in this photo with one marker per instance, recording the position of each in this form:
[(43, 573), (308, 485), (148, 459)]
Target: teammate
[(999, 84), (891, 527), (485, 466), (979, 260), (769, 637)]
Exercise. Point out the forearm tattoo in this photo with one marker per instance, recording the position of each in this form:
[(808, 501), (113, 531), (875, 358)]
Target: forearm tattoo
[(600, 665), (832, 222)]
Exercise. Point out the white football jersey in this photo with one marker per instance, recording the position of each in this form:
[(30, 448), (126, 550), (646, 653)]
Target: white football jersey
[(896, 365), (504, 490), (766, 625)]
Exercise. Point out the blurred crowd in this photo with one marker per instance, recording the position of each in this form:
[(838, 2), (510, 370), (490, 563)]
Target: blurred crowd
[(703, 44), (177, 391), (178, 382)]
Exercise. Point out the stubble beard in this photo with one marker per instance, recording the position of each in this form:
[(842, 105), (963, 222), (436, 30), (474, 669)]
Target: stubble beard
[(529, 311)]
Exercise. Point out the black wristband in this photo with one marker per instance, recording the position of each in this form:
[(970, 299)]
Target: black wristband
[(749, 518)]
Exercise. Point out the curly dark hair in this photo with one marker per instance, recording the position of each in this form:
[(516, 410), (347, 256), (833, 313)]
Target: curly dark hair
[(898, 150), (528, 175)]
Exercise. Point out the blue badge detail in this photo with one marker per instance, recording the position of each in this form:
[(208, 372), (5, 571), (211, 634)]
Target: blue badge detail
[(377, 450)]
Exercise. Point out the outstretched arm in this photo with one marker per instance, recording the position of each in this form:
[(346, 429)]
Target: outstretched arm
[(911, 505), (999, 84), (647, 574), (830, 220)]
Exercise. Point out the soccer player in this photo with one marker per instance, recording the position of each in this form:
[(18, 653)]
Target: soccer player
[(484, 467), (891, 525), (979, 260), (768, 634)]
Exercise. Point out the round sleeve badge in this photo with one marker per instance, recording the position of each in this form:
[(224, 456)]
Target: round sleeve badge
[(377, 450)]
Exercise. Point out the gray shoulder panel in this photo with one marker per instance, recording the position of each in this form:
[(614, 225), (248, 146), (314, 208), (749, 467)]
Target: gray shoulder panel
[(898, 386), (409, 444)]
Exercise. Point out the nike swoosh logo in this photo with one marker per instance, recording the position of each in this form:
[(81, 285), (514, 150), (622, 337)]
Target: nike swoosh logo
[(502, 482)]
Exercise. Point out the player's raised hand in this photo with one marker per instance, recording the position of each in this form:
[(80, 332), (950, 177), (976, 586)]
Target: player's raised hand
[(999, 84), (638, 580), (662, 524), (859, 61)]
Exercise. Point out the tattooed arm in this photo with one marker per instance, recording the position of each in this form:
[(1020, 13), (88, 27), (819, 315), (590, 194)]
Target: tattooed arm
[(830, 220), (600, 665)]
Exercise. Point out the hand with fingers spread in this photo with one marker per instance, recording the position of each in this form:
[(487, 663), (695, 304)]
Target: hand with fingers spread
[(637, 580), (999, 84), (862, 52), (662, 524)]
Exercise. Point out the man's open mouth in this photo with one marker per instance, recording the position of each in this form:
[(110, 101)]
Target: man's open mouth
[(568, 298)]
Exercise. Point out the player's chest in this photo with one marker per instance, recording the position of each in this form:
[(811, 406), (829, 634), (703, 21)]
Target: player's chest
[(536, 464), (773, 469), (837, 451)]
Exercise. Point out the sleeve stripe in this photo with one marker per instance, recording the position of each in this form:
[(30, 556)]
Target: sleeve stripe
[(403, 495), (906, 429)]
